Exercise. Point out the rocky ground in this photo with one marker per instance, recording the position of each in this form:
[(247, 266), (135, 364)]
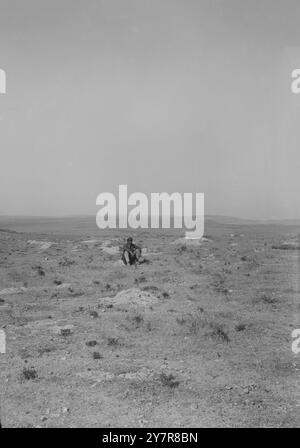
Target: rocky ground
[(200, 335)]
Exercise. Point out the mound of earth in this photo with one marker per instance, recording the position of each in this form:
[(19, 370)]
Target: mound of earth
[(92, 241), (110, 247), (12, 290), (134, 297), (141, 375), (287, 245), (118, 263), (191, 242), (40, 245), (114, 250)]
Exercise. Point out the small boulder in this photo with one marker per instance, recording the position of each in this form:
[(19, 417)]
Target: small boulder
[(63, 331)]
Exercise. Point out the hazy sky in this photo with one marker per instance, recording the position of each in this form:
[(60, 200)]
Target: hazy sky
[(161, 95)]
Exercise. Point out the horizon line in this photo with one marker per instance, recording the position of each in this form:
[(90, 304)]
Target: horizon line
[(209, 216)]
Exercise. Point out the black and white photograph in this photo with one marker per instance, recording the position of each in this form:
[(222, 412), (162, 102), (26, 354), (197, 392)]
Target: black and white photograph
[(149, 217)]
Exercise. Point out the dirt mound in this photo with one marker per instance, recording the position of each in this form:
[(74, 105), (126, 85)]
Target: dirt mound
[(134, 297), (141, 375), (114, 250), (40, 245), (287, 245), (64, 286), (12, 290), (111, 247), (108, 246), (191, 242), (91, 241), (118, 263)]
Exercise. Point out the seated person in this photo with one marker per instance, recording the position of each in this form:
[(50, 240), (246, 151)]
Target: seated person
[(131, 254)]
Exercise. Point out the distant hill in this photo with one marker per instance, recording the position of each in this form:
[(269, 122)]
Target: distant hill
[(87, 223), (230, 220)]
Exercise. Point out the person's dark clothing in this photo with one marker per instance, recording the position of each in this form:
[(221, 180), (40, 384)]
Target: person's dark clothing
[(130, 254)]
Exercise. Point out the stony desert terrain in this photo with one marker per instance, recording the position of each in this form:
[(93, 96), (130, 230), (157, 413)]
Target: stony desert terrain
[(198, 336)]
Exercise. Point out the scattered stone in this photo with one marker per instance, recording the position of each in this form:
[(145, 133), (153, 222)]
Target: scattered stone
[(64, 331)]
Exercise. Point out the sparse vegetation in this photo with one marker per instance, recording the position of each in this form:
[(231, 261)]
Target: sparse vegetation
[(138, 320), (91, 343), (217, 332), (224, 361), (112, 341), (66, 262), (267, 297), (29, 373), (168, 380)]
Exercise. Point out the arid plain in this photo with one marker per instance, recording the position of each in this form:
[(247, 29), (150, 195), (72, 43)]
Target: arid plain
[(198, 336)]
